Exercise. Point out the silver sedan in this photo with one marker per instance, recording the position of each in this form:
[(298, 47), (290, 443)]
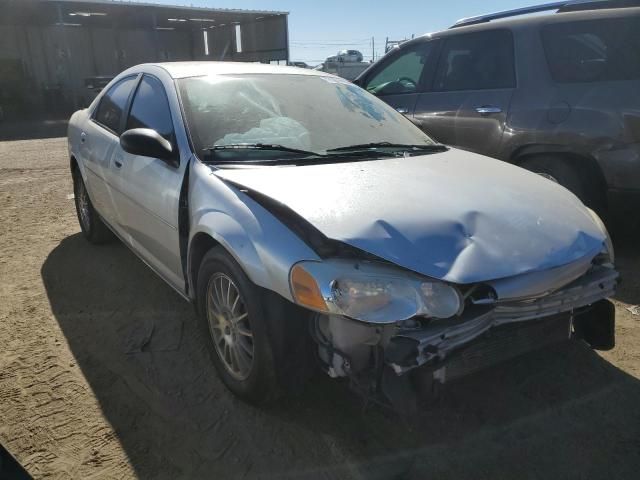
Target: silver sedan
[(310, 223)]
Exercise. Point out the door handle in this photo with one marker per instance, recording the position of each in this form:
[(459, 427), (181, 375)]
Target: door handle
[(83, 137), (118, 164), (488, 109), (402, 110)]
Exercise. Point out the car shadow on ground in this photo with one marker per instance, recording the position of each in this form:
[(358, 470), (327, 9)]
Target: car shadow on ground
[(562, 412)]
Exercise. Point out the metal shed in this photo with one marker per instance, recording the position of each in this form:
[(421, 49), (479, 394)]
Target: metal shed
[(54, 52)]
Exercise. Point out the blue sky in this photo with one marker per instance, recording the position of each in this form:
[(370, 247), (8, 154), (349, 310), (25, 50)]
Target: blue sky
[(318, 29)]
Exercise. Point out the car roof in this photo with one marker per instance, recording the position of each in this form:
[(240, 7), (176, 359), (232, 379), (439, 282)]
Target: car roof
[(529, 21), (206, 68)]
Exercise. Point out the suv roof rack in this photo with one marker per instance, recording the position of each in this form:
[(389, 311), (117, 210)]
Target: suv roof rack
[(566, 6)]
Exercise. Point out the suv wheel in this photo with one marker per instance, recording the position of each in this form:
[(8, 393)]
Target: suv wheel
[(580, 183)]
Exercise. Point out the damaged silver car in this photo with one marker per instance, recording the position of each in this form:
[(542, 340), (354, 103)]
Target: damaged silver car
[(306, 219)]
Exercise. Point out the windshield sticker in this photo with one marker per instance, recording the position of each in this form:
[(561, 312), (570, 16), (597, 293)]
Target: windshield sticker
[(357, 100)]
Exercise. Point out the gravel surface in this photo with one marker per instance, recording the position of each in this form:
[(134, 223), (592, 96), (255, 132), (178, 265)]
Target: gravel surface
[(103, 375)]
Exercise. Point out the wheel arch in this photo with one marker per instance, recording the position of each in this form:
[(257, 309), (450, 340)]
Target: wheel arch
[(75, 167), (230, 236), (256, 238), (200, 244), (585, 165)]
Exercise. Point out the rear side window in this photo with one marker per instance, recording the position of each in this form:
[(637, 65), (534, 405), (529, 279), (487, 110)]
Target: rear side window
[(593, 51), (403, 73), (476, 61), (112, 105), (150, 108)]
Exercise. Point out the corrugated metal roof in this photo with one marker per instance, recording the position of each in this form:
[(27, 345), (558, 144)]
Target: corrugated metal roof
[(132, 3)]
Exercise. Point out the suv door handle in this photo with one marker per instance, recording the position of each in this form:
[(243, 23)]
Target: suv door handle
[(488, 109), (402, 110)]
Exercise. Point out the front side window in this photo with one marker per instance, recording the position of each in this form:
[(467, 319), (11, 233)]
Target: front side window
[(150, 108), (305, 112), (592, 51), (403, 73), (476, 61), (112, 105)]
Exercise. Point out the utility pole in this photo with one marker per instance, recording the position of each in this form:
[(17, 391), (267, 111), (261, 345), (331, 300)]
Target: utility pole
[(389, 44), (373, 49)]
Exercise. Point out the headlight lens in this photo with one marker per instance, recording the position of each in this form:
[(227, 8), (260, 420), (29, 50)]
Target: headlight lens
[(373, 299), (370, 292), (440, 299), (608, 244)]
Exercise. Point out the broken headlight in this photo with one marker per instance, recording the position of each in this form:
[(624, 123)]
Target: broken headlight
[(371, 292)]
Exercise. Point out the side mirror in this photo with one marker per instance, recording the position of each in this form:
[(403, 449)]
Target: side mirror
[(146, 142)]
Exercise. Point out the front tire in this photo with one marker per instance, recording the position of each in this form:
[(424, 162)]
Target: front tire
[(232, 315), (92, 226)]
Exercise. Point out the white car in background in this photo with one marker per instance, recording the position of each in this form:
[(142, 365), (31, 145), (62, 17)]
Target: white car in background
[(349, 56)]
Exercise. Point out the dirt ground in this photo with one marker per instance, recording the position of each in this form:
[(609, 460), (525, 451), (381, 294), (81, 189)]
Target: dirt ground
[(103, 375)]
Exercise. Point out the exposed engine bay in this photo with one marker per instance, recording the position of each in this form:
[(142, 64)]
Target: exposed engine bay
[(486, 332)]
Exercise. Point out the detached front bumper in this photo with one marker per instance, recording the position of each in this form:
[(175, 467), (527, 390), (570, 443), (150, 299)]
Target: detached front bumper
[(484, 335), (537, 323), (594, 324)]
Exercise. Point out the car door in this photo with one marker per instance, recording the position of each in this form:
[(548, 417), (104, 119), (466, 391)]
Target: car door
[(148, 189), (99, 142), (468, 102), (400, 76)]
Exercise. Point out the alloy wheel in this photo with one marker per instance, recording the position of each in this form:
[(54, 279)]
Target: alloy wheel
[(84, 210), (229, 326)]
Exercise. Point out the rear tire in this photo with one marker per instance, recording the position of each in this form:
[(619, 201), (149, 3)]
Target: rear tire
[(92, 226)]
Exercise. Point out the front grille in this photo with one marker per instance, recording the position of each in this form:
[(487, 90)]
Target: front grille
[(596, 284), (503, 343)]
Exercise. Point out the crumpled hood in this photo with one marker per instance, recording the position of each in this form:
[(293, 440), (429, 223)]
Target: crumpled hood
[(455, 216)]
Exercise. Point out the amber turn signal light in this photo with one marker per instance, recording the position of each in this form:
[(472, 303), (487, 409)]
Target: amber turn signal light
[(305, 290)]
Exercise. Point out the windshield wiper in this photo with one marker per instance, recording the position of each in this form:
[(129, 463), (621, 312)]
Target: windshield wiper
[(435, 147), (262, 146), (307, 156)]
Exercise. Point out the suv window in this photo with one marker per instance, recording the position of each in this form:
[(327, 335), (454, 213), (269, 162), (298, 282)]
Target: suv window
[(113, 103), (150, 108), (476, 61), (592, 51), (403, 73)]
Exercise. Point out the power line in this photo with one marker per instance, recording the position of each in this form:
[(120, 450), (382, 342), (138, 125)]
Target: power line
[(367, 44), (332, 43), (329, 44), (324, 40), (332, 46)]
